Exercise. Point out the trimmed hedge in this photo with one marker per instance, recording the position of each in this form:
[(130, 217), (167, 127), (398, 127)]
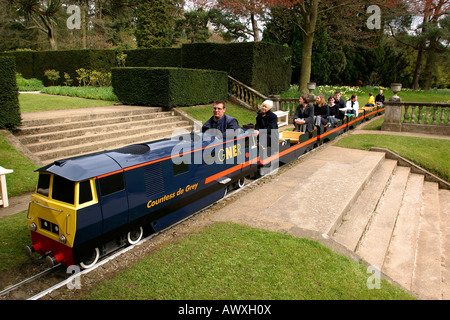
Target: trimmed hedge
[(71, 60), (263, 66), (9, 95), (168, 87), (154, 57)]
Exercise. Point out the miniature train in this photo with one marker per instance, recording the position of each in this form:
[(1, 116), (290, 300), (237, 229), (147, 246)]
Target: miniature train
[(88, 206)]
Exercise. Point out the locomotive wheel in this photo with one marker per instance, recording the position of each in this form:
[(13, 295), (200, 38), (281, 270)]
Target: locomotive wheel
[(135, 235), (92, 260), (240, 183)]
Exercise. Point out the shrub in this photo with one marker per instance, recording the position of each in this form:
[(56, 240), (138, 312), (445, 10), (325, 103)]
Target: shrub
[(71, 60), (168, 87), (52, 75), (262, 66), (9, 100), (28, 84)]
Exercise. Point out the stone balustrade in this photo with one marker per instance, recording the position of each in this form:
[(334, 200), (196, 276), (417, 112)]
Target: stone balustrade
[(431, 118)]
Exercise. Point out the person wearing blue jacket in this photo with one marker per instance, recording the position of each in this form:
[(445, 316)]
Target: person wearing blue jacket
[(220, 120)]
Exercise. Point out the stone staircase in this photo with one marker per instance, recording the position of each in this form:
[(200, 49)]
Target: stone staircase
[(364, 205), (400, 224), (54, 135)]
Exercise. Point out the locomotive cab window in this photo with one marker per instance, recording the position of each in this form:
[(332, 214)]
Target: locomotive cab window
[(63, 190), (111, 184), (85, 194), (43, 186)]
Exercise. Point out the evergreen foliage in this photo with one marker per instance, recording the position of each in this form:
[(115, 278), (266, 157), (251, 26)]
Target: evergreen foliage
[(152, 28), (154, 57), (168, 87), (262, 66), (9, 101)]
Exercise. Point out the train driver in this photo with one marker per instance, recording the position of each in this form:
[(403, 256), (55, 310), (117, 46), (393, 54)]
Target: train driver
[(220, 120)]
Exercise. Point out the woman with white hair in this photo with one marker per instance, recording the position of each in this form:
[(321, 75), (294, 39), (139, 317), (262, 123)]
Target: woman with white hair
[(268, 121)]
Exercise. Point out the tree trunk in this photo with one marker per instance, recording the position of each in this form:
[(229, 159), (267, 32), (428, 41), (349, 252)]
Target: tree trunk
[(256, 33), (418, 69), (420, 52), (309, 14), (305, 72)]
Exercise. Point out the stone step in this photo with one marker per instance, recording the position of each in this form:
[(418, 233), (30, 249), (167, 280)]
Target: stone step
[(356, 219), (50, 156), (321, 198), (67, 124), (400, 258), (375, 241), (36, 143), (444, 204), (426, 282), (46, 118)]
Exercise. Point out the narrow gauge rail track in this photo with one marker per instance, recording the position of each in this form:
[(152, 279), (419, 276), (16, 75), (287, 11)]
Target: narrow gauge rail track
[(31, 289)]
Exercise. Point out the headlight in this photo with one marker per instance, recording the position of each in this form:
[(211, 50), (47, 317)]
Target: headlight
[(33, 227), (62, 239)]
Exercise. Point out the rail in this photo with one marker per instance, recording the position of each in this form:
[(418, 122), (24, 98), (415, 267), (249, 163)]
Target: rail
[(433, 118), (244, 95), (251, 99)]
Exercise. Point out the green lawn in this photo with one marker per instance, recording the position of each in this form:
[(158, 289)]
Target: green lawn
[(232, 261), (431, 154), (14, 235), (23, 179), (30, 102)]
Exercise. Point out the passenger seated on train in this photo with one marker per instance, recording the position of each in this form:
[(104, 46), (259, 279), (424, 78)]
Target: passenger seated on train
[(304, 115), (352, 106), (371, 102), (334, 111), (321, 111), (268, 121), (379, 99), (220, 120)]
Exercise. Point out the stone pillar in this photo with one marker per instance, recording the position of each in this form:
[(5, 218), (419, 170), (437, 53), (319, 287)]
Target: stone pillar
[(276, 102), (392, 117)]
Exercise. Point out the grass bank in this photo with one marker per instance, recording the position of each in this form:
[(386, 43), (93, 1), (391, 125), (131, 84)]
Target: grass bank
[(23, 179), (30, 102), (231, 261), (431, 154)]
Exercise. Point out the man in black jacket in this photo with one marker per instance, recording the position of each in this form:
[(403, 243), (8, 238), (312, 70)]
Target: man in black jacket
[(340, 103), (379, 99), (220, 120)]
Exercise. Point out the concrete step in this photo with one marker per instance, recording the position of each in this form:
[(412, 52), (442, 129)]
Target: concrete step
[(62, 125), (86, 135), (325, 190), (35, 119), (356, 219), (58, 134), (426, 282), (444, 204), (401, 256), (50, 156), (375, 241)]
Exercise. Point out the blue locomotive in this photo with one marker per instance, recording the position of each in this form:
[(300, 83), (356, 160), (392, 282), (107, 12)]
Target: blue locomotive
[(88, 206)]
